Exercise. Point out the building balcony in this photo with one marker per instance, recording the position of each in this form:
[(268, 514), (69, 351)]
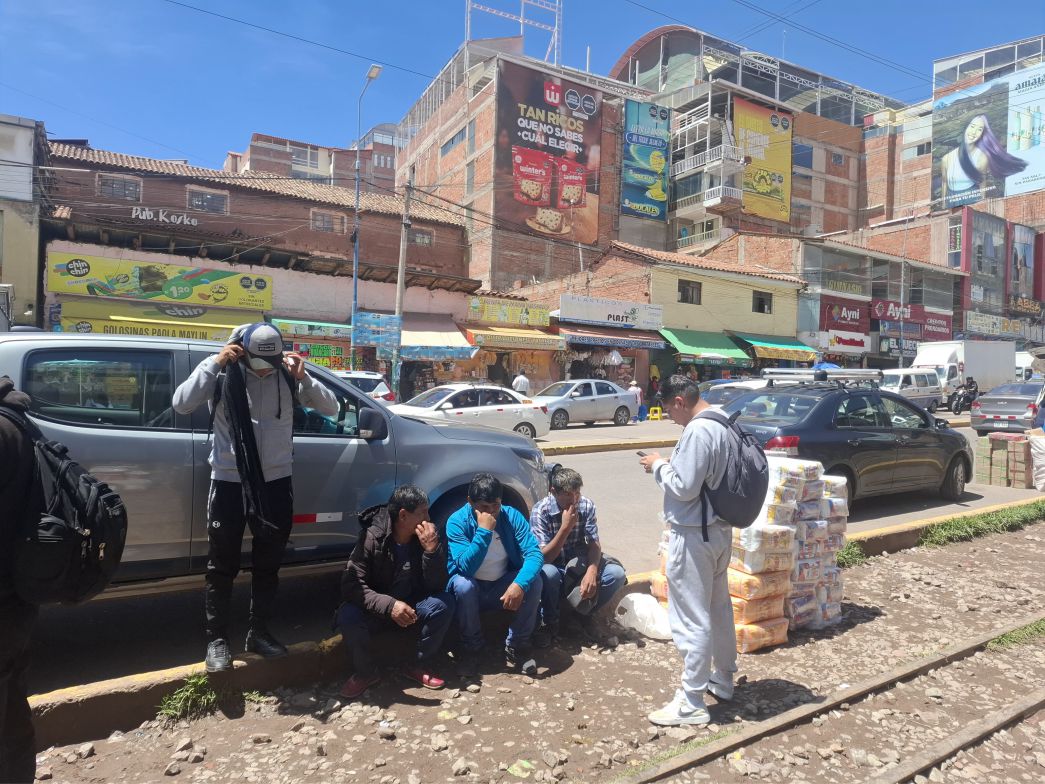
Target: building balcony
[(697, 242), (728, 155), (719, 199)]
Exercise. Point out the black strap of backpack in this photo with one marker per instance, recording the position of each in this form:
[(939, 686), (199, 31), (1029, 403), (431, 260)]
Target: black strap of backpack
[(219, 384), (705, 502)]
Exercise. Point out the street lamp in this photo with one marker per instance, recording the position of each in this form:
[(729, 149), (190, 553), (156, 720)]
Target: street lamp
[(373, 73)]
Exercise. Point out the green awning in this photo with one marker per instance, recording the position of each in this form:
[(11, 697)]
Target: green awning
[(706, 348), (773, 347)]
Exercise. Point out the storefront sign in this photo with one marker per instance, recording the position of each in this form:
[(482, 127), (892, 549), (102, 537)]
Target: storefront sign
[(99, 276), (508, 312), (891, 347), (1025, 306), (644, 160), (610, 312), (843, 286), (93, 315), (841, 342), (324, 354), (163, 216), (292, 328), (999, 326), (844, 314), (937, 327), (380, 330), (892, 311)]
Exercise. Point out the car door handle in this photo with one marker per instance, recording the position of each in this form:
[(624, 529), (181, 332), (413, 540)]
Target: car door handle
[(855, 441)]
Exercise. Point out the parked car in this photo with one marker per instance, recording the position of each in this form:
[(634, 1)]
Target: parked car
[(587, 400), (921, 386), (878, 441), (479, 404), (720, 394), (108, 398), (371, 382), (1011, 407)]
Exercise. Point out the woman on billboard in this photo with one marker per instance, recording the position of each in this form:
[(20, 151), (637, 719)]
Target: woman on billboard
[(979, 155)]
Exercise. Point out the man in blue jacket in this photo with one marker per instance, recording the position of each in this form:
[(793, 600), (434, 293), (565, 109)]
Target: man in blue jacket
[(495, 561)]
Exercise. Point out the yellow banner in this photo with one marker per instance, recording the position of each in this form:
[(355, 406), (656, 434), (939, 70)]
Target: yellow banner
[(508, 311), (89, 315), (98, 276), (764, 135)]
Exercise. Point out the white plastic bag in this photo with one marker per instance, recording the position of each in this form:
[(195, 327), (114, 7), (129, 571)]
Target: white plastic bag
[(644, 614)]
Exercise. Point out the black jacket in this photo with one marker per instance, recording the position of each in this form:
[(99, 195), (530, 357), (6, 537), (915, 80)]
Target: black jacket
[(17, 461), (371, 570)]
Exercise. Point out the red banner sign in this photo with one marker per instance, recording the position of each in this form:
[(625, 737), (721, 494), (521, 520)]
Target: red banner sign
[(844, 314), (890, 310), (937, 327)]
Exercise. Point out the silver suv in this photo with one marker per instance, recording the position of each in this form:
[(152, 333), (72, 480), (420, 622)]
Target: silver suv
[(108, 398)]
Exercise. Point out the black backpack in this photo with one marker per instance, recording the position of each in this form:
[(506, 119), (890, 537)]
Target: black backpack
[(68, 549), (739, 497)]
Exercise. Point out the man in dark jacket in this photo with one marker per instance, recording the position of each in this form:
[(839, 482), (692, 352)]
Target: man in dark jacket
[(397, 574), (18, 458)]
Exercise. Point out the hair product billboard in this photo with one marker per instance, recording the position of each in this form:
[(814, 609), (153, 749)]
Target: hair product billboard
[(644, 160), (989, 139), (549, 137), (764, 136)]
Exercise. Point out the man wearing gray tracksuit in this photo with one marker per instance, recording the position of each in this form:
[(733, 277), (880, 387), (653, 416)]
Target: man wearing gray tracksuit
[(699, 607)]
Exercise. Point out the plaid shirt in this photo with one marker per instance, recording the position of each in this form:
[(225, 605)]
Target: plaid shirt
[(546, 520)]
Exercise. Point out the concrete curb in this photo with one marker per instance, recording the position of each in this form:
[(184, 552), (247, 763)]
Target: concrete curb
[(94, 710), (608, 446)]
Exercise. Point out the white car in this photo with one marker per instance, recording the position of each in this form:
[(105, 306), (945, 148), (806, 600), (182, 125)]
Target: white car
[(479, 404), (373, 384), (718, 395)]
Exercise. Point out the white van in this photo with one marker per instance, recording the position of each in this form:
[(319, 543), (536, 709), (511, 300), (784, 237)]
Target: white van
[(919, 385)]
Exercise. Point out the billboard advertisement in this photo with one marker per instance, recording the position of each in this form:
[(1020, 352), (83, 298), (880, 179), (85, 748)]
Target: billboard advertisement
[(508, 311), (844, 314), (988, 140), (549, 144), (764, 136), (644, 160), (94, 315), (986, 263), (1021, 272)]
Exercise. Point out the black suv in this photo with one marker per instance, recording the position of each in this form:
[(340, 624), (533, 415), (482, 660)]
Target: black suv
[(880, 442)]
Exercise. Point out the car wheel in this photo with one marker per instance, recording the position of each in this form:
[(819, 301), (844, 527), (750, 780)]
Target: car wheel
[(933, 406), (446, 506), (560, 419), (953, 486), (621, 416), (526, 429)]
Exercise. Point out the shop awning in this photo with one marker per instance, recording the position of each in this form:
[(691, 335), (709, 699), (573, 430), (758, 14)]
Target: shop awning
[(515, 337), (433, 338), (706, 348), (608, 336), (772, 347), (113, 317)]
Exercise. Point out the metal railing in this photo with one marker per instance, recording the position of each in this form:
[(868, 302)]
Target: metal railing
[(693, 117), (720, 192), (694, 239), (723, 152)]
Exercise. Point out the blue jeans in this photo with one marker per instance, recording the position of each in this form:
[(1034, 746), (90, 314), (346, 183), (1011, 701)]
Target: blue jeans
[(611, 579), (434, 614), (476, 596)]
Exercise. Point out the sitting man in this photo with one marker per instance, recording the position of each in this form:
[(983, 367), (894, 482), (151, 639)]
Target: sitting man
[(567, 529), (494, 562), (397, 573)]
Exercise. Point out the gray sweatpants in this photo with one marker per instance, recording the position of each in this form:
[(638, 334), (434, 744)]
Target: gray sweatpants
[(699, 608)]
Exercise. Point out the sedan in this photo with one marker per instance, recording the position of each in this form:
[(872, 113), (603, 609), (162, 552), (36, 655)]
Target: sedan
[(720, 394), (878, 441), (1011, 407), (478, 404), (374, 384), (588, 400)]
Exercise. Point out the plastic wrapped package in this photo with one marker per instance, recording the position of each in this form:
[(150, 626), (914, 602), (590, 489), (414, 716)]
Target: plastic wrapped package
[(753, 636), (813, 510), (645, 615), (831, 574), (768, 538), (755, 610), (805, 620), (835, 487), (659, 586), (814, 529), (782, 494), (837, 525), (798, 605), (812, 490), (807, 588), (758, 586), (810, 548), (757, 563), (834, 543), (807, 570), (829, 593), (776, 514), (783, 468), (834, 507), (830, 613), (663, 562)]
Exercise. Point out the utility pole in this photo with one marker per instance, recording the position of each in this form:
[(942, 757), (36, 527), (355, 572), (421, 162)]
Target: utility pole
[(404, 242)]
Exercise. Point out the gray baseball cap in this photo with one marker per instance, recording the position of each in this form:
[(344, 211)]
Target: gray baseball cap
[(261, 341)]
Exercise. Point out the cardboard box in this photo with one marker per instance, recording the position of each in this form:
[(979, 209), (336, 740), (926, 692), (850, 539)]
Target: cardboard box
[(1022, 477), (1000, 459)]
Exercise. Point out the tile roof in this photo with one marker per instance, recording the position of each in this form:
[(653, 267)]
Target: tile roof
[(701, 263), (260, 181)]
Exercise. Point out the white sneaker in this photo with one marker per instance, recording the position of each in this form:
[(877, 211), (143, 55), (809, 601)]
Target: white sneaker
[(721, 685), (680, 711)]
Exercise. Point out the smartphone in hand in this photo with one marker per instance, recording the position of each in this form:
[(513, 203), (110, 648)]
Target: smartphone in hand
[(641, 454)]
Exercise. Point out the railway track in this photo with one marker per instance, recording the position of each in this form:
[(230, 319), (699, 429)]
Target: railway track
[(915, 720)]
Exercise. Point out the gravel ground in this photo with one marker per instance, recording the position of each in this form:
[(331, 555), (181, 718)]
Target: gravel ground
[(1014, 754), (583, 718)]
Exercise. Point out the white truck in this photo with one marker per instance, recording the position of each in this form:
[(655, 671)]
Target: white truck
[(990, 362), (1024, 365)]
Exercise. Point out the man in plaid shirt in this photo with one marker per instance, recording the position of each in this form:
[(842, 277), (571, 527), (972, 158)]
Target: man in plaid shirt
[(567, 529)]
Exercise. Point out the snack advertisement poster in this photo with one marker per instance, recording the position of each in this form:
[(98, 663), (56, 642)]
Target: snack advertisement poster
[(645, 160), (764, 136), (548, 154)]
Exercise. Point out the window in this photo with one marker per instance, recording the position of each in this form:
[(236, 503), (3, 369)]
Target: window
[(208, 201), (125, 389), (761, 302), (916, 151), (498, 397), (467, 399), (689, 292), (583, 390), (304, 156), (920, 380), (837, 159), (861, 411), (469, 177), (452, 142), (421, 237), (129, 188), (328, 221), (471, 136), (802, 155), (308, 421), (954, 243), (602, 388), (903, 416)]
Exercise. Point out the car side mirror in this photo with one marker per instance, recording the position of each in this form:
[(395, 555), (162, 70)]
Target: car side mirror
[(942, 423), (575, 393), (444, 406), (372, 426)]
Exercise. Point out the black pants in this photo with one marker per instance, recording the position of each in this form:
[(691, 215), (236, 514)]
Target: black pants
[(225, 536), (17, 741)]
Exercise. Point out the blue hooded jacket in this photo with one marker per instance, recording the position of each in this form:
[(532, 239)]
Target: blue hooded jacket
[(469, 544)]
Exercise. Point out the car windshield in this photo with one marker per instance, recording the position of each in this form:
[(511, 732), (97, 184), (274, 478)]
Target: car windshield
[(1015, 390), (775, 408), (366, 384), (557, 389), (719, 395), (891, 381), (432, 397)]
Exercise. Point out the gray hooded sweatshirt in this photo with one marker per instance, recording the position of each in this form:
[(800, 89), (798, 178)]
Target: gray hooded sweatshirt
[(275, 435)]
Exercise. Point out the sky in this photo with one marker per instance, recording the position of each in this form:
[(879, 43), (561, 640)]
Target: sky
[(155, 78)]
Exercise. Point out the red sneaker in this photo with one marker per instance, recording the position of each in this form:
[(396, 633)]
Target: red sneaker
[(357, 685), (420, 674)]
